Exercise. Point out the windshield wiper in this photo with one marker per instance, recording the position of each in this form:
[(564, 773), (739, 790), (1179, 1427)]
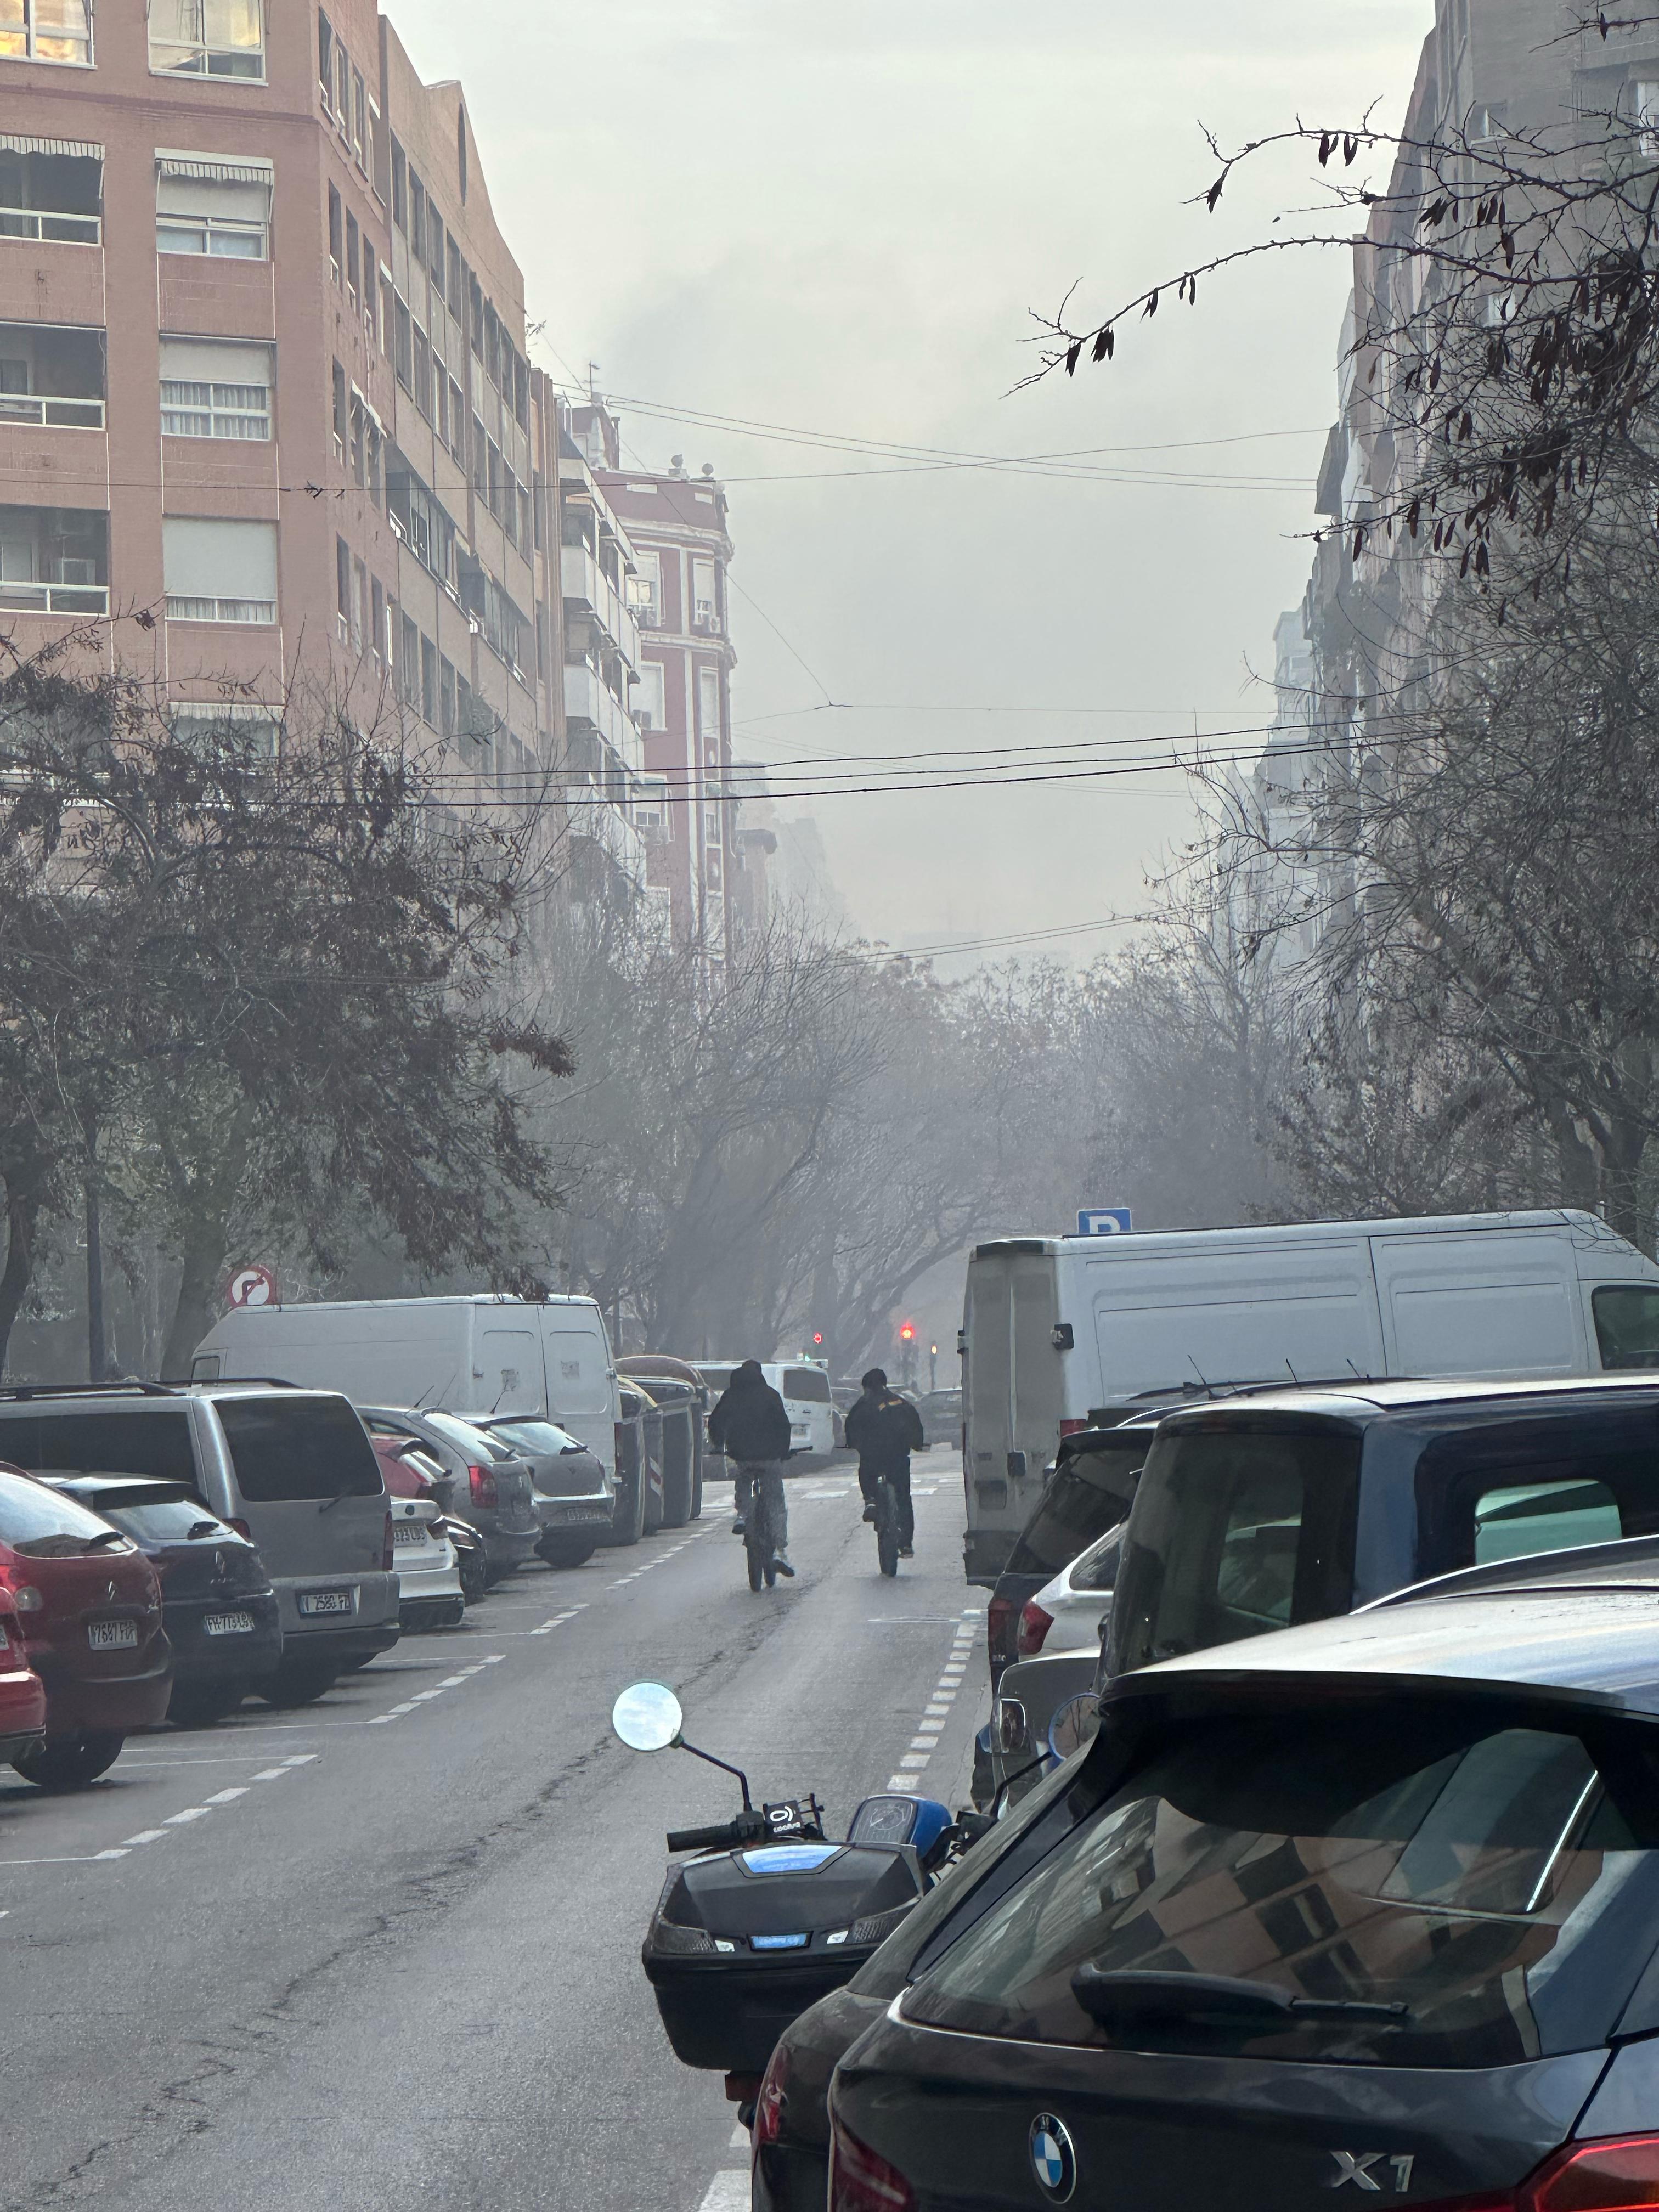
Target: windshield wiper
[(1123, 1997), (104, 1536)]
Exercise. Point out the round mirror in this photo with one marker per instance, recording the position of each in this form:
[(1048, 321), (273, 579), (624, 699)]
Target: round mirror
[(1074, 1724), (647, 1716)]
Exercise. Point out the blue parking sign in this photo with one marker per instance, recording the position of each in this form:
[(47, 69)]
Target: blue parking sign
[(1103, 1221)]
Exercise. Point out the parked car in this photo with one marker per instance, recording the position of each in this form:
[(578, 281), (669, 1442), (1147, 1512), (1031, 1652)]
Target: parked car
[(941, 1416), (1375, 1899), (291, 1470), (429, 1573), (1031, 1693), (412, 1472), (489, 1486), (1090, 1490), (1262, 1512), (218, 1606), (1068, 1613), (571, 1493), (89, 1607), (22, 1693)]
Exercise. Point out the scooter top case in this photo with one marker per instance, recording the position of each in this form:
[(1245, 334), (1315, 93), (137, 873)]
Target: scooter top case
[(742, 1941)]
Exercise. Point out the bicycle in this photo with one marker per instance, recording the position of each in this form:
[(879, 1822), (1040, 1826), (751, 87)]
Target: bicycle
[(887, 1525), (760, 1533)]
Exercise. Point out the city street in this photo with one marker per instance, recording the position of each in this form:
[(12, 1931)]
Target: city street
[(386, 1950)]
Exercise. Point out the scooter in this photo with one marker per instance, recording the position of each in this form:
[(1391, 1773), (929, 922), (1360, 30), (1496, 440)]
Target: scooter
[(769, 1913)]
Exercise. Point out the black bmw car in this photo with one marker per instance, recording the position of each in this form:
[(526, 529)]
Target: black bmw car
[(1367, 1910)]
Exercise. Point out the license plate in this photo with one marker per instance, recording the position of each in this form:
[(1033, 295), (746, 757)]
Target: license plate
[(312, 1602), (227, 1624), (112, 1635), (408, 1532)]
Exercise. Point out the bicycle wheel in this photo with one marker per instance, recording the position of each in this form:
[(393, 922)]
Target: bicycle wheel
[(756, 1556), (771, 1576), (886, 1531)]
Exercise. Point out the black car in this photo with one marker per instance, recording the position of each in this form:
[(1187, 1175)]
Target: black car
[(218, 1608), (1368, 1906)]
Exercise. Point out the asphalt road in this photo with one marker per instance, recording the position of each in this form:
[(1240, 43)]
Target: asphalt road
[(385, 1951)]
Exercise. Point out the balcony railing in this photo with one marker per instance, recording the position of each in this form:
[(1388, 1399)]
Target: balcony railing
[(586, 699), (40, 410), (60, 229), (583, 582), (54, 598)]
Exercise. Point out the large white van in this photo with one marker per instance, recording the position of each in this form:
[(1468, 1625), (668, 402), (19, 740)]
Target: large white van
[(478, 1354), (803, 1387), (1057, 1328)]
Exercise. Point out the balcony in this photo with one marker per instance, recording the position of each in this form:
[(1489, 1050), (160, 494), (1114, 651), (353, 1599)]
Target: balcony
[(51, 376), (604, 823), (585, 584), (52, 194), (54, 561), (587, 702), (46, 228)]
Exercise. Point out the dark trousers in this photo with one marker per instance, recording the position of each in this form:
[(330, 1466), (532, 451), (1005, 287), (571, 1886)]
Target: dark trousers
[(899, 1478)]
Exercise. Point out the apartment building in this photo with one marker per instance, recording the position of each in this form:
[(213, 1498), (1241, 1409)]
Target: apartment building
[(266, 416)]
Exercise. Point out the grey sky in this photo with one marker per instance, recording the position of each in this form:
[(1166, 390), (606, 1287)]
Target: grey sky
[(836, 218)]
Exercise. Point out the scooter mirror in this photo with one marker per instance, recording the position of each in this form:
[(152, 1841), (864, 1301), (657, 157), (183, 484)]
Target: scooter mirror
[(648, 1716)]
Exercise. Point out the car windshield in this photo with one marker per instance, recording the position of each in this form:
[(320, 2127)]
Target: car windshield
[(1237, 1530), (1089, 1492), (1403, 1887), (44, 1524), (1627, 1325), (294, 1448), (170, 1521), (535, 1435)]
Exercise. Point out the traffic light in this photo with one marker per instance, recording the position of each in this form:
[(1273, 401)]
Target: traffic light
[(818, 1336), (908, 1332)]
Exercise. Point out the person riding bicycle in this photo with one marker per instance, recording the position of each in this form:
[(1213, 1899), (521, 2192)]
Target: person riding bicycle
[(884, 1429), (751, 1425)]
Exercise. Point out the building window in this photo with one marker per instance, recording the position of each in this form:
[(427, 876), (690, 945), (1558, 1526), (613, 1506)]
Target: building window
[(388, 315), (457, 288), (208, 725), (217, 570), (206, 38), (708, 702), (215, 390), (51, 376), (343, 590), (1644, 100), (205, 204), (404, 350), (460, 151), (360, 120), (645, 588), (54, 560), (341, 431), (58, 197), (416, 216), (705, 614), (359, 459), (353, 262), (399, 189), (429, 682), (47, 31), (648, 699), (335, 234), (359, 604), (377, 619), (326, 56), (422, 372)]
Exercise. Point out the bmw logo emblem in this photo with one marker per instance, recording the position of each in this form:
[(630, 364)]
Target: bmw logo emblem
[(1054, 2160)]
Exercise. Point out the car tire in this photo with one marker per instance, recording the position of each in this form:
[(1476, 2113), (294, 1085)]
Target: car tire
[(475, 1579), (297, 1682), (676, 1498), (566, 1551), (204, 1705), (70, 1762)]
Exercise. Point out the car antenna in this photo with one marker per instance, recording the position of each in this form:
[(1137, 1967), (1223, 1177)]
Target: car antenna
[(1199, 1371), (1294, 1377), (420, 1401)]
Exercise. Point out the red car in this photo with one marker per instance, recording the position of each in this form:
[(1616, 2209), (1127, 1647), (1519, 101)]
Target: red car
[(90, 1610), (22, 1693)]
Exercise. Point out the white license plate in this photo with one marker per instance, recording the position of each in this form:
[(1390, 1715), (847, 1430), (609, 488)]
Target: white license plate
[(112, 1635), (408, 1532), (226, 1623), (316, 1601)]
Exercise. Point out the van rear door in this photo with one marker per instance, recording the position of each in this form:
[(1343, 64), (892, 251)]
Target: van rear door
[(310, 1484), (581, 1384), (1012, 1401), (507, 1367), (1482, 1301)]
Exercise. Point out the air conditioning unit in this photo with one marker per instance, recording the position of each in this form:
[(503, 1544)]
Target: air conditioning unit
[(67, 571)]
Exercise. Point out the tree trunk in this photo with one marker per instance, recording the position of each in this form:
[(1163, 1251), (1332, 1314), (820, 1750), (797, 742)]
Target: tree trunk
[(22, 1215), (97, 1341), (206, 1210)]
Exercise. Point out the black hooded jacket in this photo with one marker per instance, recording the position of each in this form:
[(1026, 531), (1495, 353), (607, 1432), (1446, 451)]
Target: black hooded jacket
[(750, 1422), (883, 1430)]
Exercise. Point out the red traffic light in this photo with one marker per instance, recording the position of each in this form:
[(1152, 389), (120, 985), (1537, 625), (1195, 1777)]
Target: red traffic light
[(907, 1333), (818, 1336)]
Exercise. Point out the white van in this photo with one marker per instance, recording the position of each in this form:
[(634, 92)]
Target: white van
[(1057, 1328), (479, 1354), (803, 1387)]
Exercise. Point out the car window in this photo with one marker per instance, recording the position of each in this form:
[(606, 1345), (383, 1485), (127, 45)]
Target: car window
[(1440, 1875), (1097, 1569), (170, 1521), (1627, 1325), (477, 1443), (806, 1382), (1515, 1522), (718, 1378), (535, 1435), (44, 1524), (1089, 1492), (288, 1449), (1507, 1490), (110, 1442), (1236, 1531)]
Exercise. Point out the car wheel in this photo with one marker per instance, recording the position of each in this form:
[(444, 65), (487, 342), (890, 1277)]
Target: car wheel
[(566, 1551), (204, 1705), (70, 1762), (474, 1581), (297, 1682)]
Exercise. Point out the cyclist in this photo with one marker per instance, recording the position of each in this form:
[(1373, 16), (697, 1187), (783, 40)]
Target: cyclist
[(884, 1429), (751, 1425)]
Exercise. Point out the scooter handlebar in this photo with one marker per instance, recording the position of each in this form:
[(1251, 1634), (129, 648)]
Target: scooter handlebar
[(726, 1837)]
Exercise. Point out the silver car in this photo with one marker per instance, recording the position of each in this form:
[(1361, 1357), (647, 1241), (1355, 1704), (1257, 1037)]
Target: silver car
[(573, 1496), (489, 1483)]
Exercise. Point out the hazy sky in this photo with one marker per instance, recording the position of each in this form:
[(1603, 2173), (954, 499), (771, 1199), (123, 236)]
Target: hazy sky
[(835, 219)]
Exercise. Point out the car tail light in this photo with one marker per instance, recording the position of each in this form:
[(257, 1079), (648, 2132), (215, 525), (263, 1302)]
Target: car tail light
[(1034, 1625), (1073, 1428), (860, 2180), (1001, 1620), (1618, 2174), (27, 1599), (483, 1485), (386, 1545), (773, 2098)]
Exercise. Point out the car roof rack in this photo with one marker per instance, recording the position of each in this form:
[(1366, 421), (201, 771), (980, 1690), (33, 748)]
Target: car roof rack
[(253, 1382), (24, 1390)]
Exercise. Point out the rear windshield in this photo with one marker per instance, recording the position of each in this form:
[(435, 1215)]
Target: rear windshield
[(1627, 1325), (1426, 1888), (474, 1443), (172, 1520), (1097, 1569), (44, 1524), (1235, 1532), (1507, 1490), (1087, 1494), (717, 1378), (286, 1448), (536, 1436), (806, 1383), (114, 1442)]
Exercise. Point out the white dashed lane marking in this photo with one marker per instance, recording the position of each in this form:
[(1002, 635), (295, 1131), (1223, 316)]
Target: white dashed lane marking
[(940, 1700), (425, 1697)]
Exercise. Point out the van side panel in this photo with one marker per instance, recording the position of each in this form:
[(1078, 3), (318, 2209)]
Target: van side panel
[(506, 1365), (581, 1386), (1217, 1315), (1493, 1304), (392, 1355)]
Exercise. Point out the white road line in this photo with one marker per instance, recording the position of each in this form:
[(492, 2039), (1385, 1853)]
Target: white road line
[(144, 1836), (226, 1797), (728, 2192), (182, 1820)]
